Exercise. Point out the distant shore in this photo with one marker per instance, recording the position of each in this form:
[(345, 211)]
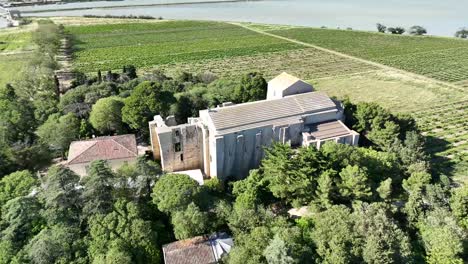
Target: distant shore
[(136, 5)]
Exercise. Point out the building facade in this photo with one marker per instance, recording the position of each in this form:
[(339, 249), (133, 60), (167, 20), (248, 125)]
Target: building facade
[(229, 141)]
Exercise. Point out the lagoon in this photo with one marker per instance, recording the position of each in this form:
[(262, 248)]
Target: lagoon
[(441, 18)]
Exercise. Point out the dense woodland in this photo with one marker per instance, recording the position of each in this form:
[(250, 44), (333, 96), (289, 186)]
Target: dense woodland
[(377, 203)]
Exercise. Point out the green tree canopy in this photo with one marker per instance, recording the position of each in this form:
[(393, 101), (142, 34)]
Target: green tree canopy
[(106, 115), (253, 87), (459, 205), (61, 196), (98, 189), (442, 237), (21, 220), (189, 222), (16, 184), (123, 229), (354, 183), (58, 244), (147, 99), (59, 131), (175, 192)]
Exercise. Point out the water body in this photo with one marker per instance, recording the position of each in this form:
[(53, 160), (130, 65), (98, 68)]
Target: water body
[(441, 18)]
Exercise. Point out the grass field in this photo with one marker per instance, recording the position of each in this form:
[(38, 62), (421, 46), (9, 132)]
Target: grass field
[(107, 47), (445, 59), (15, 51)]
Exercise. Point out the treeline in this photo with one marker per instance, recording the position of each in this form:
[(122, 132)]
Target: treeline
[(122, 17), (27, 103), (416, 31)]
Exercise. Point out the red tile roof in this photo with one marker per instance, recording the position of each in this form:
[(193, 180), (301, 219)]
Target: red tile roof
[(103, 148)]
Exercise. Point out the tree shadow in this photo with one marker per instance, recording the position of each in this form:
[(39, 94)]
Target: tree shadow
[(440, 165)]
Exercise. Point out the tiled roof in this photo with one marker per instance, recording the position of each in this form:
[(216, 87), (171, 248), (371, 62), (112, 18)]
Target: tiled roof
[(102, 148), (196, 250), (256, 114), (328, 129)]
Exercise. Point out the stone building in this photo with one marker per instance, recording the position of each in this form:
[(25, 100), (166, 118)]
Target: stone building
[(229, 141)]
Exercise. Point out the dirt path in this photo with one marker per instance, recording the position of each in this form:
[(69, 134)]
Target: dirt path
[(64, 74), (379, 65)]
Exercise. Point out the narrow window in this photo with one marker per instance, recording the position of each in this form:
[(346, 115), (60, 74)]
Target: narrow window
[(181, 157), (177, 133), (177, 147)]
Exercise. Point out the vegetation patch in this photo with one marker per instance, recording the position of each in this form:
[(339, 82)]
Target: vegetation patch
[(308, 63), (150, 44), (445, 128), (444, 59)]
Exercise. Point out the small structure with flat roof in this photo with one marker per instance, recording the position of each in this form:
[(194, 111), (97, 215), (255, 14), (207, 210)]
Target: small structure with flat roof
[(116, 150)]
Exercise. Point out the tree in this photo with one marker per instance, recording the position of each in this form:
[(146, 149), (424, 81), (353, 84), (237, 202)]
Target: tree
[(124, 229), (189, 222), (147, 99), (354, 183), (61, 196), (416, 181), (17, 120), (459, 205), (253, 87), (250, 246), (175, 192), (130, 71), (16, 184), (380, 238), (291, 175), (381, 28), (59, 131), (442, 237), (325, 189), (384, 136), (21, 221), (417, 30), (106, 115), (333, 235), (396, 30), (98, 189), (462, 33), (277, 252), (58, 244), (385, 189)]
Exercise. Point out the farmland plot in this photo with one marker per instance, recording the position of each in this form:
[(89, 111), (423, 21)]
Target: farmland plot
[(145, 45), (444, 59), (446, 128)]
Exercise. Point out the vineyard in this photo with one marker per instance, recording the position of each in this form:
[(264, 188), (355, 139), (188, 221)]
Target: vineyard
[(444, 59), (307, 64), (446, 129), (145, 45)]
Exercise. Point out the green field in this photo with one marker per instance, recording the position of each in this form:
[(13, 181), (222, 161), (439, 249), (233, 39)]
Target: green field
[(445, 59), (15, 41), (107, 47), (15, 51)]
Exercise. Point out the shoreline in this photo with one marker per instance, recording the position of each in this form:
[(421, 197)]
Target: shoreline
[(136, 5)]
